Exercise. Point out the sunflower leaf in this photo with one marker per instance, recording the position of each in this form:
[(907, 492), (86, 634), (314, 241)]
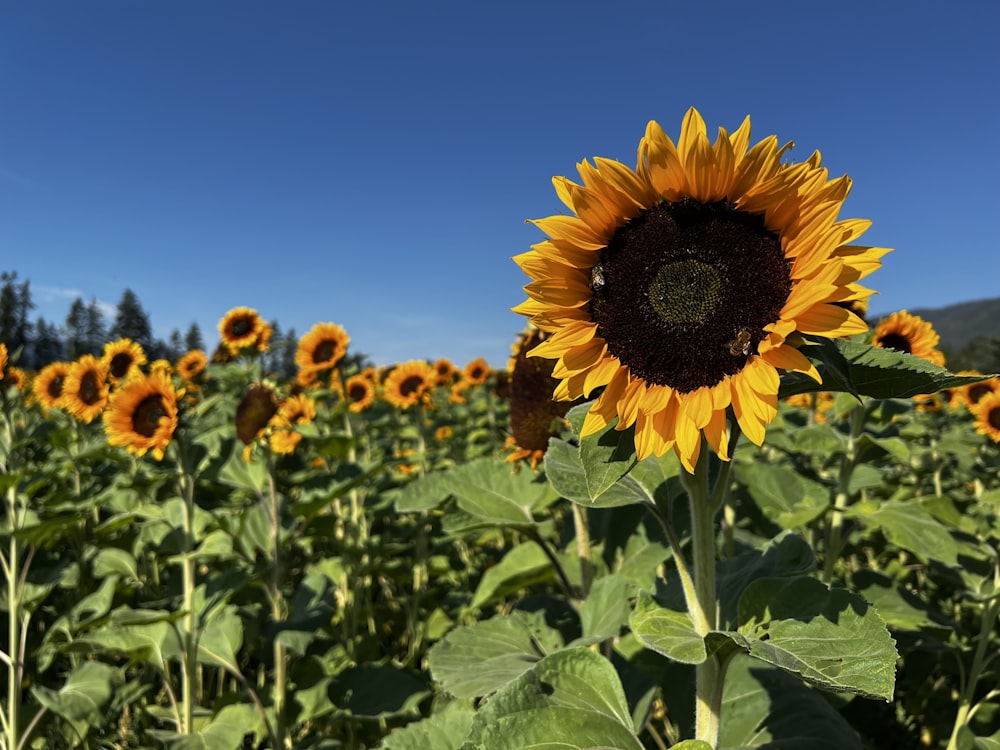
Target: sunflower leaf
[(866, 370), (606, 456)]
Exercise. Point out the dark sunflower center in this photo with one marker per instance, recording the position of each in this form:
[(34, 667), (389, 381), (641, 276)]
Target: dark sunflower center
[(240, 328), (89, 393), (324, 351), (147, 415), (897, 342), (120, 364), (682, 292), (977, 391), (356, 392), (993, 417), (411, 385), (55, 387)]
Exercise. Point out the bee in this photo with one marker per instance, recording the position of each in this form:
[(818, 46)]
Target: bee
[(597, 278), (741, 344)]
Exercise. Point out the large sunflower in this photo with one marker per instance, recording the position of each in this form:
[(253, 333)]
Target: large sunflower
[(987, 414), (49, 383), (910, 334), (242, 328), (973, 393), (122, 358), (322, 348), (141, 415), (408, 383), (682, 285), (85, 389)]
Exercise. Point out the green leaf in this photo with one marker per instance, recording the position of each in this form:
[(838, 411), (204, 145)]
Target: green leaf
[(311, 608), (786, 555), (444, 730), (667, 631), (523, 565), (832, 638), (571, 700), (423, 494), (784, 496), (377, 692), (84, 695), (897, 605), (476, 660), (493, 491), (909, 526), (224, 731), (606, 610), (112, 561), (221, 639), (867, 370), (564, 467), (767, 708)]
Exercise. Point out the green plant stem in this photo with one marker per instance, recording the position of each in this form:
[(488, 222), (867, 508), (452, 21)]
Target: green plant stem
[(189, 674), (14, 627), (835, 522), (703, 608), (277, 611), (582, 547), (965, 707)]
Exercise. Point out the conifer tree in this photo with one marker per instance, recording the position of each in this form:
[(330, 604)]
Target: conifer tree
[(132, 322)]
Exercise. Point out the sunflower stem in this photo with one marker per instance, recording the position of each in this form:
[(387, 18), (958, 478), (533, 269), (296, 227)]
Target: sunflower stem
[(582, 547), (277, 610), (703, 607), (190, 640), (835, 523)]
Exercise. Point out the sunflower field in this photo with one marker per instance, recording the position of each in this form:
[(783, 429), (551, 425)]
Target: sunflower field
[(705, 505)]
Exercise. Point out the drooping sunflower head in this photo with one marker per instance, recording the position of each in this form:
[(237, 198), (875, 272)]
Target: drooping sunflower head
[(141, 415), (910, 334), (532, 407), (359, 390), (476, 372), (122, 358), (322, 348), (192, 364), (49, 384), (987, 414), (682, 286), (85, 389), (255, 410), (408, 383), (241, 328)]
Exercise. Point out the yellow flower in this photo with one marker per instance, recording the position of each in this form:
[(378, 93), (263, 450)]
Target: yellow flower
[(3, 359), (85, 389), (122, 358), (408, 383), (322, 348), (476, 371), (242, 328), (987, 414), (48, 384), (360, 392), (297, 409), (973, 393), (910, 334), (682, 286), (17, 378), (192, 364), (445, 370), (141, 415)]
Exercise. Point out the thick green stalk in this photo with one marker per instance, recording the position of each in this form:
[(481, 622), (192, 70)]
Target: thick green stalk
[(189, 669), (703, 609), (277, 614), (835, 522), (582, 547), (14, 627)]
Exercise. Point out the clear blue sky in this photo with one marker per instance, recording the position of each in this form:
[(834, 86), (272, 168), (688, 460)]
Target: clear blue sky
[(372, 164)]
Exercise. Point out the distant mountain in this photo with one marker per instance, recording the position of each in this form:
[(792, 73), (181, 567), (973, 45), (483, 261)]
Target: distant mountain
[(959, 324)]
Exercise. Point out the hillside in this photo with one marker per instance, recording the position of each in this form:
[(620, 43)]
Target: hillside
[(959, 324)]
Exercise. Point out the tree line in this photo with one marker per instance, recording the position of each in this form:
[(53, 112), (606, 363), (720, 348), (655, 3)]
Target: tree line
[(86, 330)]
